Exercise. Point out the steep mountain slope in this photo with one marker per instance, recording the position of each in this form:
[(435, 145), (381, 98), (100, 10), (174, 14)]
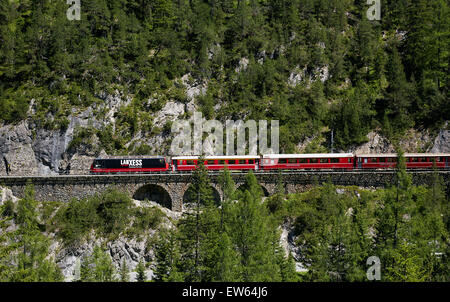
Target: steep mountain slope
[(116, 79)]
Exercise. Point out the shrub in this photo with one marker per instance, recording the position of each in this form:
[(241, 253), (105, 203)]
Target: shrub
[(147, 218), (113, 210)]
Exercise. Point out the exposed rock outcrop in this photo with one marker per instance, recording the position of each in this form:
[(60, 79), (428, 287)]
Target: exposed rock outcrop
[(130, 250), (16, 150), (6, 194), (413, 141), (442, 142)]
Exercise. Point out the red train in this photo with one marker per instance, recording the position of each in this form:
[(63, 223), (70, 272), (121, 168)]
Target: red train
[(337, 161)]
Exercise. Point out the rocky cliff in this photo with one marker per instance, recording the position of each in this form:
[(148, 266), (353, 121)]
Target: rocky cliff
[(28, 148)]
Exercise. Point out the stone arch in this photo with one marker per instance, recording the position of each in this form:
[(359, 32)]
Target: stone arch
[(215, 193), (154, 192), (242, 187)]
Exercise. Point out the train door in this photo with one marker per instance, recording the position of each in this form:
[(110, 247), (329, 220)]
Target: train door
[(174, 165), (359, 163)]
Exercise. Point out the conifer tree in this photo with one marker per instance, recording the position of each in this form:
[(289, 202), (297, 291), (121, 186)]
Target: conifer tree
[(140, 270), (31, 245), (86, 269), (253, 235), (227, 268), (124, 272), (199, 230), (104, 270), (167, 257), (228, 189)]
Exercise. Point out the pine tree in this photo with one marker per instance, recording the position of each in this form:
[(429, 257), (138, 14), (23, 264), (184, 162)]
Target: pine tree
[(399, 94), (86, 270), (227, 186), (31, 245), (104, 270), (409, 267), (124, 272), (227, 267), (255, 238), (167, 257), (198, 227), (140, 270)]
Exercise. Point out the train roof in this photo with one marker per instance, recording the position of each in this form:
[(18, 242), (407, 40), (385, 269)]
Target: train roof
[(405, 155), (218, 157), (316, 155)]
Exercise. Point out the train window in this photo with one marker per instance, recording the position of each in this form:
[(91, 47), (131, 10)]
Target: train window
[(190, 162), (350, 160), (365, 160), (282, 161), (314, 160), (390, 160), (242, 161), (210, 162), (414, 159), (373, 160), (221, 162), (335, 160), (292, 160), (251, 161), (303, 160), (324, 160)]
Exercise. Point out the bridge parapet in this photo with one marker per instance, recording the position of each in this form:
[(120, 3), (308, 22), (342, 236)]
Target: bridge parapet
[(63, 188)]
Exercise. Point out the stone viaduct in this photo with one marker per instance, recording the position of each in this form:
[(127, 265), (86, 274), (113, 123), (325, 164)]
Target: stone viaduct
[(171, 189)]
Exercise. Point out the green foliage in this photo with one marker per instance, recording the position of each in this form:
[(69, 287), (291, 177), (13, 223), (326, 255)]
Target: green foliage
[(140, 270), (97, 267), (7, 209), (147, 218), (109, 214), (144, 49), (124, 272), (167, 257), (27, 259), (83, 136), (234, 242), (337, 229)]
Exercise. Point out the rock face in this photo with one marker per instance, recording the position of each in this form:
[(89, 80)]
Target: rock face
[(6, 194), (122, 249), (170, 112), (16, 150), (442, 142), (413, 141), (26, 149), (376, 144)]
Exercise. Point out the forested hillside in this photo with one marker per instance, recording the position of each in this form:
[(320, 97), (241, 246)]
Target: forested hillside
[(325, 234), (314, 65)]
